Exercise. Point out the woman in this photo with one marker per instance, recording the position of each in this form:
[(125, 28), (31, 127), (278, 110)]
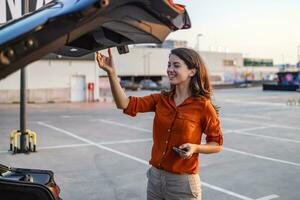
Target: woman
[(181, 116)]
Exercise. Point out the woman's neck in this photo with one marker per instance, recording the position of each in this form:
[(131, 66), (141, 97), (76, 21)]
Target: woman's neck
[(182, 92)]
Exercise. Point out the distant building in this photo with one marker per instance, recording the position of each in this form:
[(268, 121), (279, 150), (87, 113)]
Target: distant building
[(167, 44), (61, 79), (288, 67), (172, 44), (258, 62)]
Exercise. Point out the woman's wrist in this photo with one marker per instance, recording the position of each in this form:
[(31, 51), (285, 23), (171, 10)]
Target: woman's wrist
[(207, 148), (111, 73)]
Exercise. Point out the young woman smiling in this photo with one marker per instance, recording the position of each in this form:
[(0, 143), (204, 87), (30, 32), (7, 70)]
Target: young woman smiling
[(182, 115)]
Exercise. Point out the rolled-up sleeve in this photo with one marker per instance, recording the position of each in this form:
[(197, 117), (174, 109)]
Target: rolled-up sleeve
[(141, 104), (212, 125)]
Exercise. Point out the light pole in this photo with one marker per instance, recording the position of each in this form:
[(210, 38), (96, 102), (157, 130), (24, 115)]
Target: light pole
[(23, 101), (298, 54), (148, 64), (198, 44), (145, 64)]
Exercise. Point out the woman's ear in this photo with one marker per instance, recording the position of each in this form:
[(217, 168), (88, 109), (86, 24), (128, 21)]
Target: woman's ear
[(192, 72)]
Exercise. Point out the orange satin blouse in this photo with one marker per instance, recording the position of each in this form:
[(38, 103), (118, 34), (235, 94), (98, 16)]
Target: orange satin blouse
[(175, 125)]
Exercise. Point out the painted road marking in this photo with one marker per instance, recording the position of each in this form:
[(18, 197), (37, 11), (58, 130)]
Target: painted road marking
[(224, 148), (122, 125), (249, 116), (74, 116), (85, 144), (92, 143), (239, 131), (101, 143), (262, 157), (263, 136), (254, 103), (273, 196), (138, 159), (262, 124), (249, 129)]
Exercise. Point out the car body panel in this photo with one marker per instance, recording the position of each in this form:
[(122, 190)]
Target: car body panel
[(148, 84), (27, 183), (75, 28), (16, 190), (78, 27)]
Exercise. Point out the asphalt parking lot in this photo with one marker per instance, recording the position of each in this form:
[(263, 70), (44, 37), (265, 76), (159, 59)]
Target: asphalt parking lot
[(96, 152)]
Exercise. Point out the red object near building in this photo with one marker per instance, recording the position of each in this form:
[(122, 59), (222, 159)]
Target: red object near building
[(91, 86)]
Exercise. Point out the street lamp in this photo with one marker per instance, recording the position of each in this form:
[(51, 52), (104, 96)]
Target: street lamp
[(198, 44), (298, 54)]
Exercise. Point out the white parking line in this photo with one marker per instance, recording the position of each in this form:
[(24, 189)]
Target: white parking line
[(137, 159), (248, 129), (244, 121), (65, 146), (243, 102), (4, 152), (85, 144), (263, 136), (239, 131), (101, 143), (228, 149), (262, 157), (261, 124), (248, 116), (273, 196), (73, 116), (92, 143), (122, 125)]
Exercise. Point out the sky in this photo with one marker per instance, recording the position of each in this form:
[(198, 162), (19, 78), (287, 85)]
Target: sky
[(256, 28)]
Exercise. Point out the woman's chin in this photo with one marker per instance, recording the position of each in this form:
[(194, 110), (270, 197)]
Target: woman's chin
[(172, 81)]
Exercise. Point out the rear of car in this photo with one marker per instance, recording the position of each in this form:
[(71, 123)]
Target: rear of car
[(78, 27), (75, 28), (33, 184)]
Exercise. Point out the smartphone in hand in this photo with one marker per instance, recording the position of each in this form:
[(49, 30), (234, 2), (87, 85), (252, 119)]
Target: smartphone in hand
[(178, 150)]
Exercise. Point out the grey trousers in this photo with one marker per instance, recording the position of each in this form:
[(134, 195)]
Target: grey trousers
[(163, 185)]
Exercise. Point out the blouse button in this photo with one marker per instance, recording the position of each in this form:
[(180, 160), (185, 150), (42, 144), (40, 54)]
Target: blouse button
[(169, 130)]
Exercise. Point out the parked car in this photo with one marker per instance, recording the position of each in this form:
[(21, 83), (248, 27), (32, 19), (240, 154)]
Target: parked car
[(129, 85), (164, 84), (75, 28), (33, 184), (148, 84)]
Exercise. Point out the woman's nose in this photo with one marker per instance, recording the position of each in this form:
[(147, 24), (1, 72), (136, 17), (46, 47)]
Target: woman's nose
[(170, 68)]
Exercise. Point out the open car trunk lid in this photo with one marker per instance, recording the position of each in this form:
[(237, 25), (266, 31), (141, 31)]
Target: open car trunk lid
[(78, 27)]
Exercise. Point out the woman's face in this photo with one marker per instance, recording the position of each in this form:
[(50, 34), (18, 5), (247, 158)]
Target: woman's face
[(178, 71)]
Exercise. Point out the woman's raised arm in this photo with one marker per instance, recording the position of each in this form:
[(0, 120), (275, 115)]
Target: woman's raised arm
[(107, 64)]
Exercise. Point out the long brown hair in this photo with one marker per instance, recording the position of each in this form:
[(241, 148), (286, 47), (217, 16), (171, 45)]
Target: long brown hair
[(200, 85)]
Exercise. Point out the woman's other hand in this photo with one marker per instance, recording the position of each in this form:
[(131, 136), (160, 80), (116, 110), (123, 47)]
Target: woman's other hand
[(190, 150), (106, 63), (210, 147)]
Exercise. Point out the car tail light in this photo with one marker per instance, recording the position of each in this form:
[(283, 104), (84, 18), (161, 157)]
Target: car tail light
[(54, 188), (176, 6), (57, 189)]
